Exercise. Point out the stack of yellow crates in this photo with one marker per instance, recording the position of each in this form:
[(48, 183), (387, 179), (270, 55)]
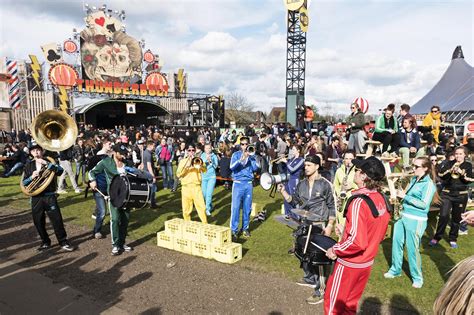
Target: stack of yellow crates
[(199, 239)]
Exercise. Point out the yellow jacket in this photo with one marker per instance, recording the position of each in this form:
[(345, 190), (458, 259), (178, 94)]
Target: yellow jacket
[(433, 121), (189, 175)]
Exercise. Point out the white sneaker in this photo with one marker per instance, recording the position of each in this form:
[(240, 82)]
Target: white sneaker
[(389, 275), (115, 251), (93, 217), (98, 235), (78, 190), (463, 232), (127, 248), (61, 191)]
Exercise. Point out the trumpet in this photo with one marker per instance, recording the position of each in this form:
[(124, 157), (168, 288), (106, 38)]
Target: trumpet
[(278, 159), (197, 162), (251, 149), (455, 171)]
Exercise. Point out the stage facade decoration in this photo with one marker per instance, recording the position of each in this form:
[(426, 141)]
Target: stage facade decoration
[(108, 61)]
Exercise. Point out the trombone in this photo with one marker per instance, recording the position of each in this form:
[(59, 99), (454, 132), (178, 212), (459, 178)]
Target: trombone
[(278, 159)]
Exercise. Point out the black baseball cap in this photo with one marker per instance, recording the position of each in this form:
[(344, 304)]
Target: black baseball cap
[(120, 148), (313, 159), (371, 166), (36, 147)]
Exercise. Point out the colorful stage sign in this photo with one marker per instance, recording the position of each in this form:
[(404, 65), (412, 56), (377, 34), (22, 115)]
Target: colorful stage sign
[(107, 52)]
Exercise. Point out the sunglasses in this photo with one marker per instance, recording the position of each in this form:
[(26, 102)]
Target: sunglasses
[(191, 150), (243, 143), (434, 111)]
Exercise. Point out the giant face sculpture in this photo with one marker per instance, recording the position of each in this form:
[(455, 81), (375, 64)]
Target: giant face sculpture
[(113, 63)]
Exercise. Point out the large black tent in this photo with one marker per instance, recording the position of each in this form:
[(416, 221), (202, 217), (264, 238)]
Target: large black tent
[(454, 92)]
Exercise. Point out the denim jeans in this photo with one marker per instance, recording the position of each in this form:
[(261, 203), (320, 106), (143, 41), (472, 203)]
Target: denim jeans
[(100, 213), (167, 171), (80, 168), (15, 167), (208, 185)]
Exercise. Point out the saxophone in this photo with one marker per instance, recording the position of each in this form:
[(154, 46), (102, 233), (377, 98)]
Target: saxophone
[(344, 189)]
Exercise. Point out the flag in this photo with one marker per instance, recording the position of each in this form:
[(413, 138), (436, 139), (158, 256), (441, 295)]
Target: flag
[(14, 88)]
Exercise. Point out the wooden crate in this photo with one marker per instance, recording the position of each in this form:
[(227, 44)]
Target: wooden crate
[(182, 245), (165, 240), (192, 231), (228, 254), (174, 227), (201, 249), (215, 235)]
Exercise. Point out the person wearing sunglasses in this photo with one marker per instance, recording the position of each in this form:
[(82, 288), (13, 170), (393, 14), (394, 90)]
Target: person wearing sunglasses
[(355, 123), (189, 173), (416, 202), (243, 165), (432, 124)]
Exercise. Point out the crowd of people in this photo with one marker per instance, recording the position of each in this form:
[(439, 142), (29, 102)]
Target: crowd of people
[(327, 175)]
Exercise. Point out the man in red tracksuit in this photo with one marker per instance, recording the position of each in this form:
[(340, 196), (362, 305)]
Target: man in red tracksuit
[(365, 229)]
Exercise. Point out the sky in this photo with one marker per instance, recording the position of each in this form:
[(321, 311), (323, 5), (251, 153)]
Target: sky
[(384, 51)]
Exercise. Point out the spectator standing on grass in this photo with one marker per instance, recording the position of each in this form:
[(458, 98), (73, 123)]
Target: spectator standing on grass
[(65, 159), (149, 171)]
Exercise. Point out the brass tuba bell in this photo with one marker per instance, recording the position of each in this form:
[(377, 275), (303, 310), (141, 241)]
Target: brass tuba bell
[(54, 130), (40, 183)]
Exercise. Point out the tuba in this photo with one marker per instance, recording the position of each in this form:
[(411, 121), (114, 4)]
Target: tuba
[(38, 184), (53, 130)]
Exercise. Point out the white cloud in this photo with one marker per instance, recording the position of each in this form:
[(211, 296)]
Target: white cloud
[(382, 51)]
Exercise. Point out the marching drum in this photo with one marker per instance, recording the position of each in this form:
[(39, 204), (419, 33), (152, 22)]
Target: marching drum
[(314, 251), (129, 191)]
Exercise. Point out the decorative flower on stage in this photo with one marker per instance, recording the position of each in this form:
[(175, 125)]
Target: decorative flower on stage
[(100, 40)]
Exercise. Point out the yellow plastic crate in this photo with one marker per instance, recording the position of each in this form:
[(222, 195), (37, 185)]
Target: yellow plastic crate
[(174, 227), (165, 240), (215, 235), (201, 249), (192, 231), (228, 254), (182, 245)]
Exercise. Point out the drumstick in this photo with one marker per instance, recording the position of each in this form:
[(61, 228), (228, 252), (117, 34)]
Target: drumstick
[(104, 196), (319, 247)]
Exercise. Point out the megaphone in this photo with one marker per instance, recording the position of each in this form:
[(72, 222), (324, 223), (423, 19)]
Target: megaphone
[(269, 181)]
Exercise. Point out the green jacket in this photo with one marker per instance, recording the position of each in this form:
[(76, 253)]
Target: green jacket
[(358, 119), (108, 167), (380, 124)]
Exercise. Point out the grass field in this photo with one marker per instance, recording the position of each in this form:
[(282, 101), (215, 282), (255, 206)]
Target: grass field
[(267, 249)]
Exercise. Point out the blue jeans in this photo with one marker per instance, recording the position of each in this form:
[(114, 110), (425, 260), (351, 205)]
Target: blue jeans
[(15, 167), (80, 167), (207, 186), (167, 171), (100, 214), (241, 198)]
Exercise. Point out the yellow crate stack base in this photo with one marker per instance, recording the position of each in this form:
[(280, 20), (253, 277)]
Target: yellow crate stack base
[(215, 235), (228, 254), (165, 240), (174, 227), (182, 245), (191, 230), (201, 250)]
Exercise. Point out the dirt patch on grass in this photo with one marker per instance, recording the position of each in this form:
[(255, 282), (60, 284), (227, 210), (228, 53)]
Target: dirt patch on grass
[(149, 279)]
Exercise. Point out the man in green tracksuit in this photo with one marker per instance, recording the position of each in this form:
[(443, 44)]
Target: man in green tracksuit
[(119, 217)]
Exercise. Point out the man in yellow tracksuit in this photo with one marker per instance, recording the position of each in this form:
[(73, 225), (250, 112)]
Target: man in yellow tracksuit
[(191, 193)]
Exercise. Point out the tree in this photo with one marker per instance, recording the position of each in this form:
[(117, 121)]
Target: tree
[(238, 109)]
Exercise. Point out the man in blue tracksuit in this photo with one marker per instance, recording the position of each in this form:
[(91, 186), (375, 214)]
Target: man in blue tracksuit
[(242, 165)]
